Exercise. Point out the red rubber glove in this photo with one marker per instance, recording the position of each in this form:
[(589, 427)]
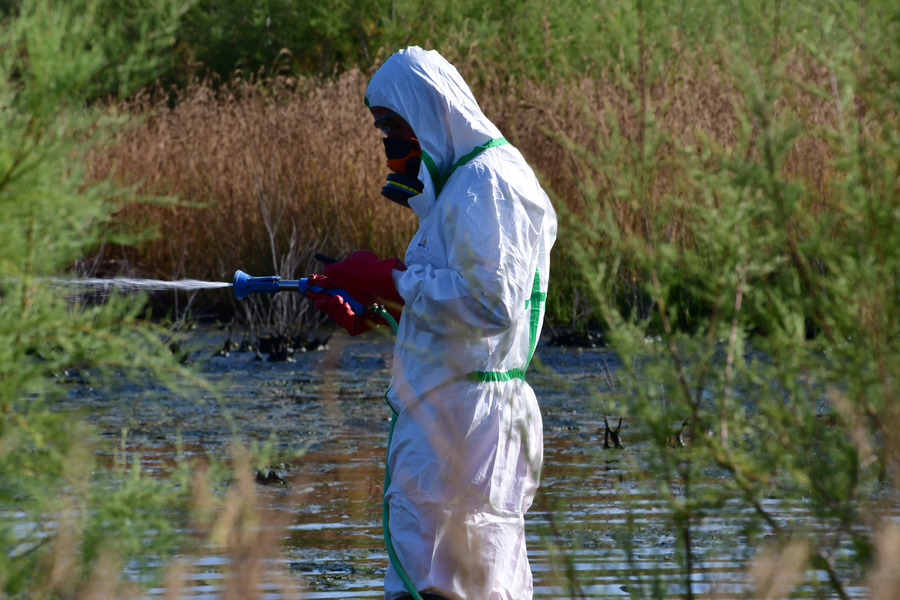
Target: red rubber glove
[(338, 309), (366, 278)]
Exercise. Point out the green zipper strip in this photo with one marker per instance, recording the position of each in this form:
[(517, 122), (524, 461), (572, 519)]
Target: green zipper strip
[(538, 298)]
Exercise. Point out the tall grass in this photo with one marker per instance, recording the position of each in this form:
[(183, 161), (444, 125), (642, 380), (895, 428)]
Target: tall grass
[(227, 151)]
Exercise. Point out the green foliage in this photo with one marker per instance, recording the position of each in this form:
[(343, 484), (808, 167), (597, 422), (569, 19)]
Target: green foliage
[(143, 46), (231, 34), (542, 39), (280, 35), (785, 380), (8, 7), (56, 513)]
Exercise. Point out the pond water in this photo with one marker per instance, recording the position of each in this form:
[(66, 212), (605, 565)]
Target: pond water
[(328, 407)]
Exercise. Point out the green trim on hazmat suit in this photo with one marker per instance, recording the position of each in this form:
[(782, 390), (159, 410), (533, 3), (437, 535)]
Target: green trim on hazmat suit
[(466, 447)]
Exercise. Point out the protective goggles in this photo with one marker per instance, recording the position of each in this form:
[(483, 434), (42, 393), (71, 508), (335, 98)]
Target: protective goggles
[(393, 125)]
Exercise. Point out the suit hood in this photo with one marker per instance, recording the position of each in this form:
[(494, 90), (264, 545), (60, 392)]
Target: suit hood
[(430, 95)]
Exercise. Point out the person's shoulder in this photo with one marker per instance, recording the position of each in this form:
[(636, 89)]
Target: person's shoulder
[(496, 163)]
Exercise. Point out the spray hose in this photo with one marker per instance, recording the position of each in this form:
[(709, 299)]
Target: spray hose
[(244, 285), (382, 312)]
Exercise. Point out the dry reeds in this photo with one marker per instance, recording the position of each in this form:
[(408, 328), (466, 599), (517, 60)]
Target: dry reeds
[(569, 133), (240, 155), (255, 164)]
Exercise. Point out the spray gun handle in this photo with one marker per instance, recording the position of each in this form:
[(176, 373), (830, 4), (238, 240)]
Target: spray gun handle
[(303, 286)]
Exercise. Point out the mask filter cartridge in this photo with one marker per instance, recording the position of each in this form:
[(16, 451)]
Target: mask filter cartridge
[(404, 159)]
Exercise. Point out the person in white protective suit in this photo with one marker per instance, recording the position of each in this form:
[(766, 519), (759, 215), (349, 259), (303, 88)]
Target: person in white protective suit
[(466, 446)]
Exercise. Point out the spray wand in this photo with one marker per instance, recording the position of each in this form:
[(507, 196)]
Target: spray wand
[(244, 285)]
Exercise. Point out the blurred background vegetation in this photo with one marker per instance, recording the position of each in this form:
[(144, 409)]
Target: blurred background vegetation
[(726, 176), (252, 109)]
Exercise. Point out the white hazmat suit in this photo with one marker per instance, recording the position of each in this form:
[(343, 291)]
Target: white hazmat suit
[(466, 447)]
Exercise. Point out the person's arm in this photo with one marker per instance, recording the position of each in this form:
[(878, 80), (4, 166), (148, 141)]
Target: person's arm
[(491, 243)]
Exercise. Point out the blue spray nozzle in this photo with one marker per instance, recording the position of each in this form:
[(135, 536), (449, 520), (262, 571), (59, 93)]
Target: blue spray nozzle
[(244, 285)]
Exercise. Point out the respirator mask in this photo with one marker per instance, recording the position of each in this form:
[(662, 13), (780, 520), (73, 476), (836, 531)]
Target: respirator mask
[(404, 157)]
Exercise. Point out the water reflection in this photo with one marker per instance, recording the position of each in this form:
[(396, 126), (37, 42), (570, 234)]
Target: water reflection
[(328, 408)]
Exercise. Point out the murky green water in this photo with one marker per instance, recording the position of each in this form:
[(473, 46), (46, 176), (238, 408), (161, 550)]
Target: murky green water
[(328, 407)]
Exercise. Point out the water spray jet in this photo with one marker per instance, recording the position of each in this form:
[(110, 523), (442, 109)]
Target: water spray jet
[(243, 285), (127, 285)]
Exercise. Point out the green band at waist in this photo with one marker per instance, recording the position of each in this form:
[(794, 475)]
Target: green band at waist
[(484, 376)]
